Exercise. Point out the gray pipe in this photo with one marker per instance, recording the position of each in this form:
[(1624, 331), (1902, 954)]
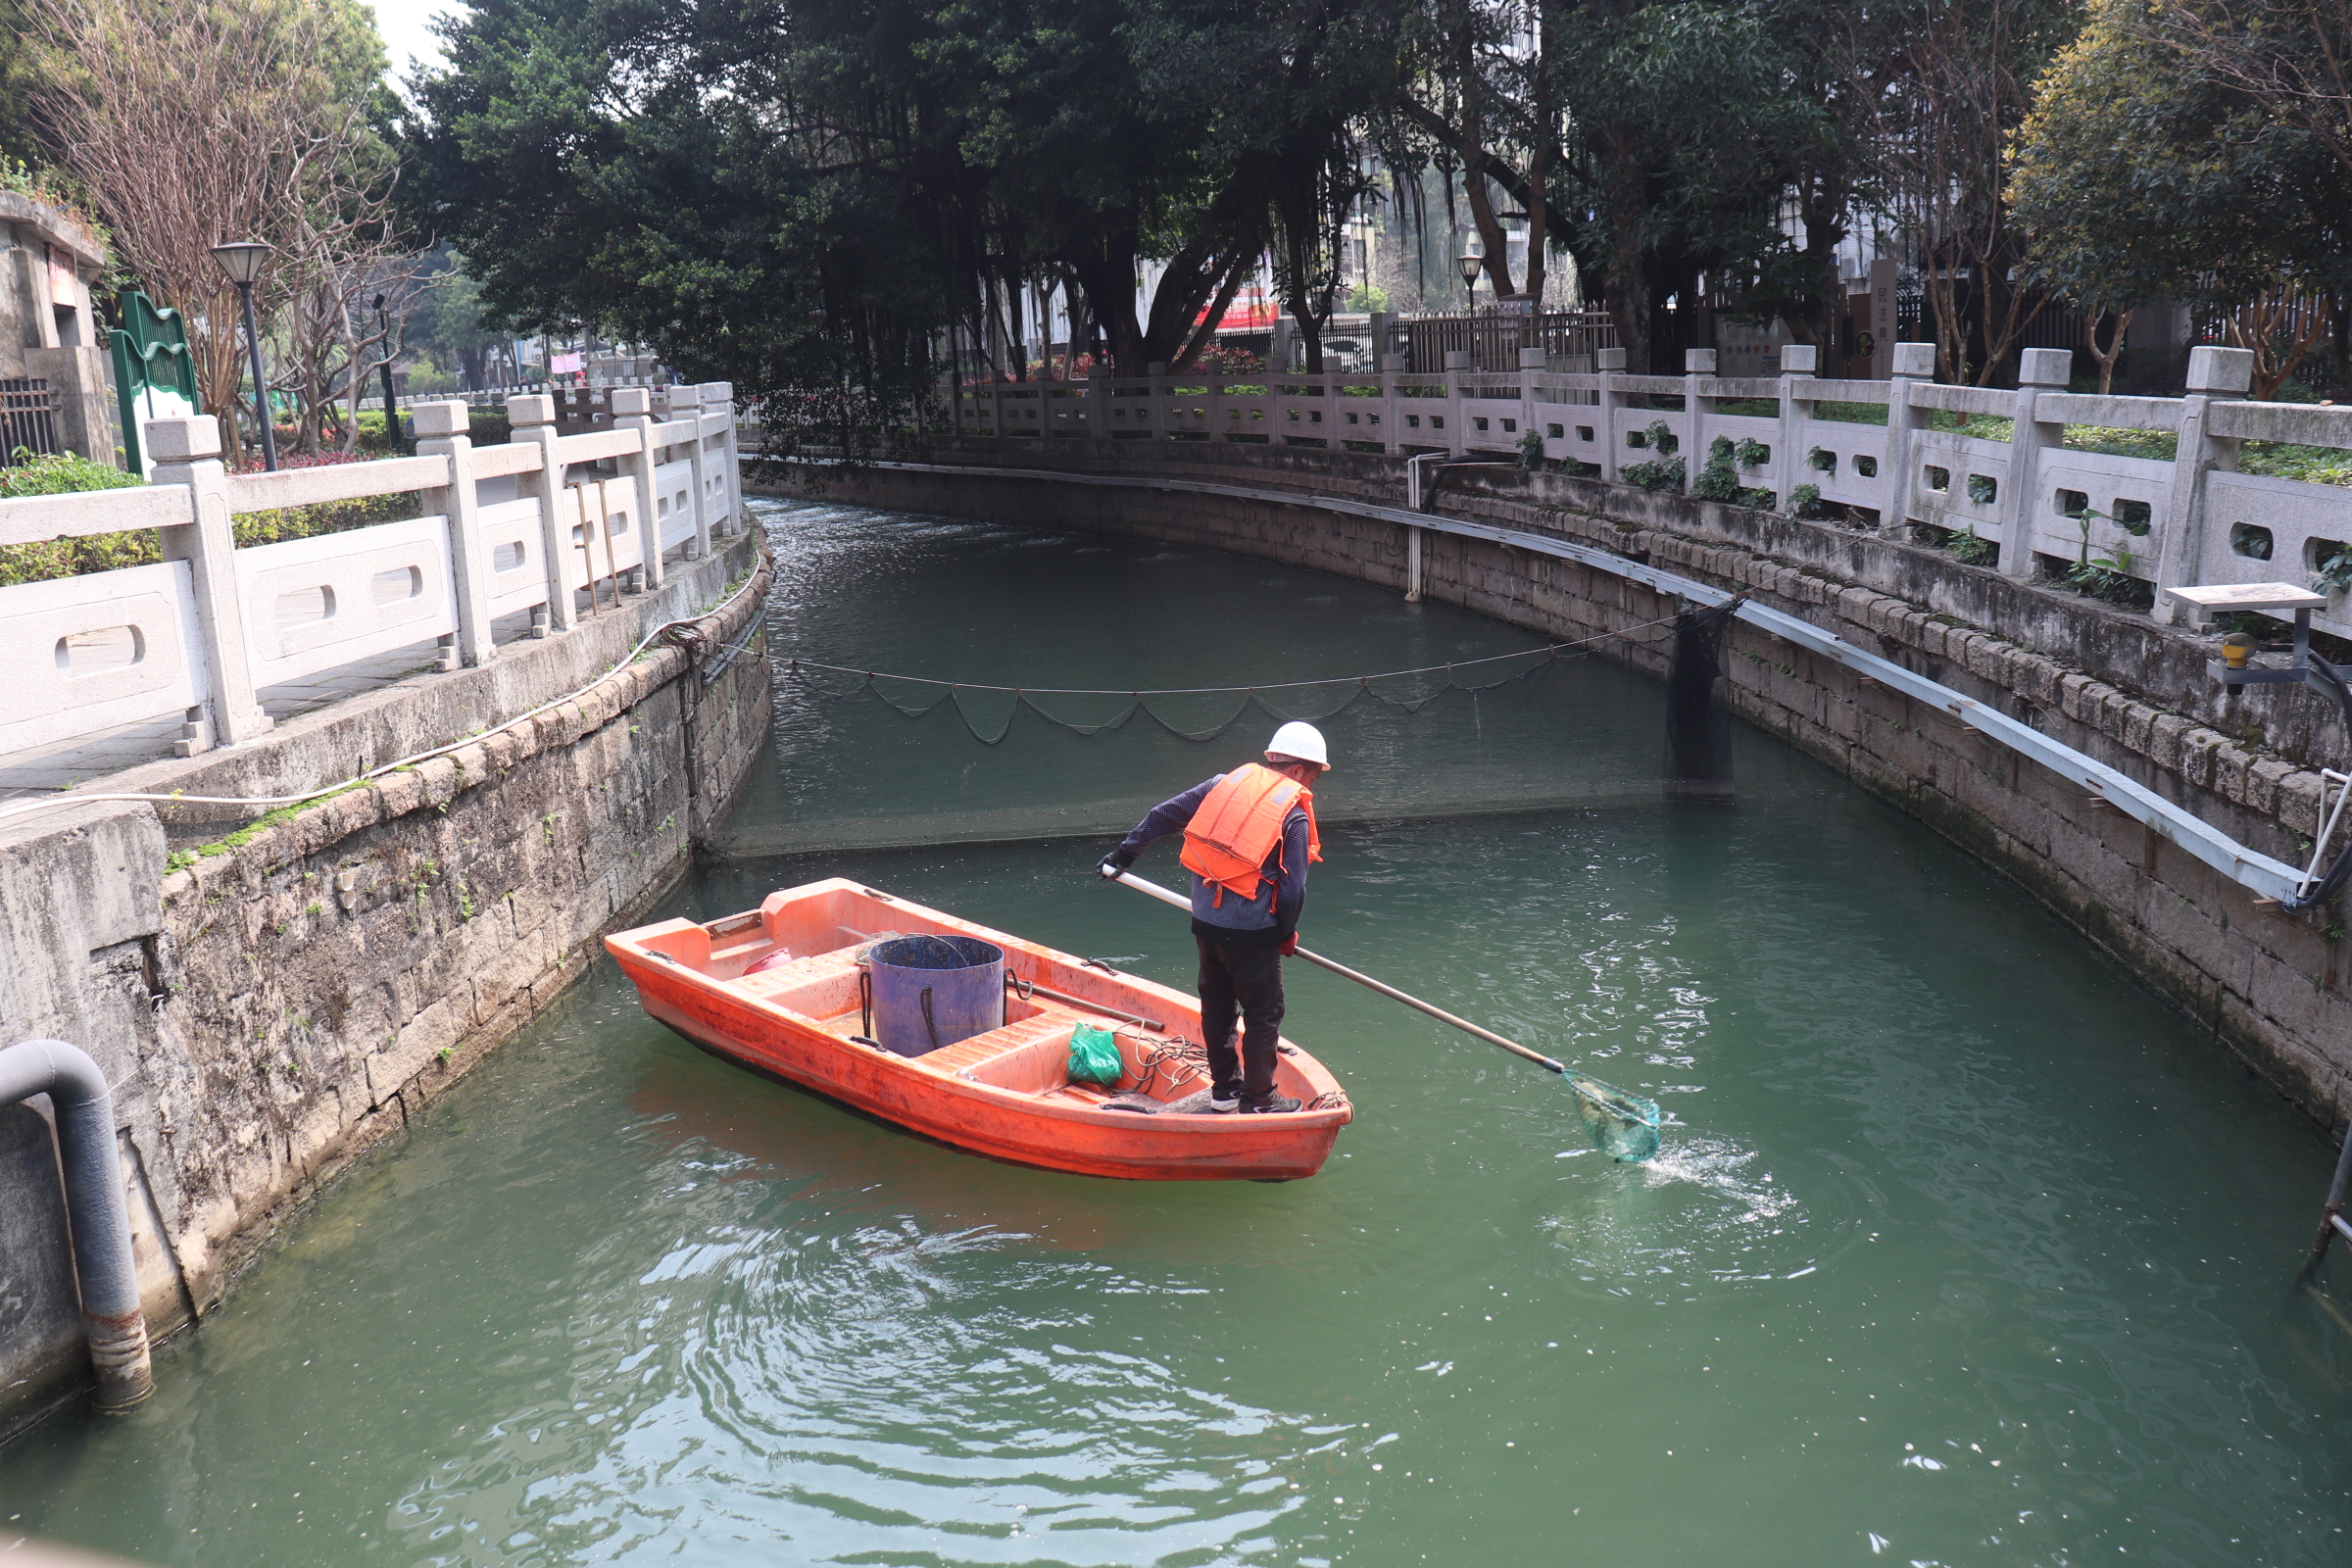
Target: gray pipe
[(95, 1209)]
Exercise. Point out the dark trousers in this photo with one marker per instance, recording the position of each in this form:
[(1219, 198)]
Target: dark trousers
[(1242, 977)]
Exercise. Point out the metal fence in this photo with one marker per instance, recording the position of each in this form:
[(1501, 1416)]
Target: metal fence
[(28, 418), (1494, 338)]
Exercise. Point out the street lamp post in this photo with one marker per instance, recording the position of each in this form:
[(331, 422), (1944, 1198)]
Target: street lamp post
[(243, 260), (1472, 260)]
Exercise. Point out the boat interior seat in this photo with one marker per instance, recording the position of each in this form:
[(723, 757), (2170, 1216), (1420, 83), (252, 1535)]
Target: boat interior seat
[(977, 1058), (812, 986), (1029, 1054), (1040, 1065)]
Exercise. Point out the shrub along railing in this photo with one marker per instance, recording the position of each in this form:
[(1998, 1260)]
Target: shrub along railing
[(2032, 500), (199, 634)]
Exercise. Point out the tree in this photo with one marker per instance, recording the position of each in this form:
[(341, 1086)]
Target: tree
[(1847, 58), (1945, 128), (19, 143), (346, 251), (2291, 57), (196, 121), (2102, 108), (1461, 90), (1686, 127), (1655, 141), (347, 310), (2294, 59), (445, 321), (806, 194), (1295, 152), (2140, 181)]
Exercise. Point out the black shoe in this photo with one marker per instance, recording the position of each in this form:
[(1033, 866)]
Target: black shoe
[(1271, 1105), (1225, 1099)]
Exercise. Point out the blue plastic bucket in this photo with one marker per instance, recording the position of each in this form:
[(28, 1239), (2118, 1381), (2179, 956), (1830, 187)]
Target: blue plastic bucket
[(931, 991)]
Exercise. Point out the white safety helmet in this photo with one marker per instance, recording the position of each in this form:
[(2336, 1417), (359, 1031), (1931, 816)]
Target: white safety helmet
[(1302, 741)]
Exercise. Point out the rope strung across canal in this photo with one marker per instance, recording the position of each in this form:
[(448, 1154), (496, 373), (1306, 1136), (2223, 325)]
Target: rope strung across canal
[(807, 671)]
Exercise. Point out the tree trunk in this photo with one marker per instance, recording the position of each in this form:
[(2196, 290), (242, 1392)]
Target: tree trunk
[(1204, 332), (2256, 325), (1823, 210), (1629, 282), (1491, 236), (1081, 313), (2004, 311), (1951, 333), (2340, 310), (1629, 305), (1541, 159), (1473, 146), (2114, 344), (1514, 183), (1108, 274), (1016, 342), (1538, 228)]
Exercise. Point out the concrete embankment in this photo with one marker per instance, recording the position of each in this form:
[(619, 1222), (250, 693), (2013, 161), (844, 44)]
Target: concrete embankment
[(2114, 686), (268, 1000)]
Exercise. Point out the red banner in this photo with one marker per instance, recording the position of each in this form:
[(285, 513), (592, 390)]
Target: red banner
[(1252, 310)]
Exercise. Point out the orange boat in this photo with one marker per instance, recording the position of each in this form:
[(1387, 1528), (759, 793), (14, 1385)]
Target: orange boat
[(787, 989)]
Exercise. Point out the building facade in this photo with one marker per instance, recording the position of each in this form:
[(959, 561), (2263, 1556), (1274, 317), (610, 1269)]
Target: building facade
[(55, 390)]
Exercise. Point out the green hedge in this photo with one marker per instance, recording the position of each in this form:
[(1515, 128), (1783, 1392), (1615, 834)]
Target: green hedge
[(110, 551)]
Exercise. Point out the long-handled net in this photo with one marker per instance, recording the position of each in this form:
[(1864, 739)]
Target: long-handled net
[(1624, 1125)]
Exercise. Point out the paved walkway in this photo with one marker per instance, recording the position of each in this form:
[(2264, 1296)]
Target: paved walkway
[(39, 770)]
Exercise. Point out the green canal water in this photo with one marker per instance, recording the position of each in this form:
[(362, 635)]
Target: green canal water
[(1962, 1251)]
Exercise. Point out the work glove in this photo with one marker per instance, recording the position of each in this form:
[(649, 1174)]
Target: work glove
[(1115, 862), (1290, 945)]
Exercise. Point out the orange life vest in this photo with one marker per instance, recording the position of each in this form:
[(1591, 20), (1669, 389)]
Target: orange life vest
[(1239, 823)]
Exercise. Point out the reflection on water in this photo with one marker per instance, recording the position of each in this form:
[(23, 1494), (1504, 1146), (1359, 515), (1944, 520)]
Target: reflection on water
[(1961, 1251)]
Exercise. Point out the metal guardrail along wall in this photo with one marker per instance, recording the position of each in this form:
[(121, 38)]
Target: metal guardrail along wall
[(199, 634), (2033, 496)]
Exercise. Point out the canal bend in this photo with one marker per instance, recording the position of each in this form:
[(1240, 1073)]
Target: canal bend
[(1963, 1249)]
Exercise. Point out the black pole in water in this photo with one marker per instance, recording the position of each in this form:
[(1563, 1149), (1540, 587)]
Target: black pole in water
[(2335, 1205), (1699, 733)]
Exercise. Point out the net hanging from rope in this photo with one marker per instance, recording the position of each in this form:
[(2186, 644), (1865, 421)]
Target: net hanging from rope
[(810, 673)]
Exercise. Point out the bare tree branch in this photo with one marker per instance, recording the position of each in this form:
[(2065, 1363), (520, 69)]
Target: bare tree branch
[(194, 123)]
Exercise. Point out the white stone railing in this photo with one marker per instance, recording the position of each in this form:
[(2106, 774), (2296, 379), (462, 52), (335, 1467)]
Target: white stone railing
[(2030, 495), (530, 525)]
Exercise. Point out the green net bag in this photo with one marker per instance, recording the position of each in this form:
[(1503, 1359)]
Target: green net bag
[(1093, 1056), (1624, 1125)]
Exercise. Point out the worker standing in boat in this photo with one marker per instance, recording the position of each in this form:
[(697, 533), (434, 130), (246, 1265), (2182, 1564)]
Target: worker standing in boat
[(1248, 836)]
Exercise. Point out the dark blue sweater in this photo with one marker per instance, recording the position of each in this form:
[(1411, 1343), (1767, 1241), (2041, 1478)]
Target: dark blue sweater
[(1274, 913)]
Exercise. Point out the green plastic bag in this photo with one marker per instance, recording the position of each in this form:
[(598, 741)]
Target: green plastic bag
[(1093, 1056)]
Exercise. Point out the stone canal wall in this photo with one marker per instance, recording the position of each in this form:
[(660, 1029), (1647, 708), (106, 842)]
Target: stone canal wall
[(268, 1002), (2132, 694)]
